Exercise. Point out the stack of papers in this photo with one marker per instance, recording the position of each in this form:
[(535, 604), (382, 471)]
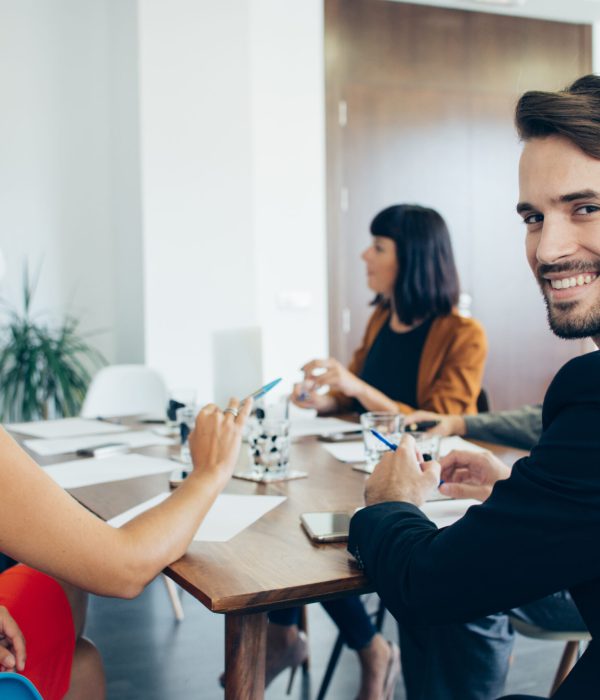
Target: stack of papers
[(59, 446), (65, 427), (229, 515), (100, 470)]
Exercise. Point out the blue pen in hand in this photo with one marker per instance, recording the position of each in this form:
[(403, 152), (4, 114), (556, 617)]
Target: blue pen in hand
[(426, 457), (385, 442)]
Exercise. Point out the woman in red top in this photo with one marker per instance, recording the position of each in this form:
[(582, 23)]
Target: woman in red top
[(41, 525)]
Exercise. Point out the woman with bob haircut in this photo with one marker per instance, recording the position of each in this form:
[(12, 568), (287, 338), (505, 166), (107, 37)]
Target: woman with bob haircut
[(417, 353)]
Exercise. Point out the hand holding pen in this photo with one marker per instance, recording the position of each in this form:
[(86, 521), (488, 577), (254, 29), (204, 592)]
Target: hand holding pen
[(400, 476)]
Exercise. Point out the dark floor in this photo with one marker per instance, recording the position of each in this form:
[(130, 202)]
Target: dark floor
[(148, 655)]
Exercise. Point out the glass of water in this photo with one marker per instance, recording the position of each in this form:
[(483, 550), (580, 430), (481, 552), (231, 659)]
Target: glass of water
[(269, 442), (428, 444), (186, 419), (387, 424)]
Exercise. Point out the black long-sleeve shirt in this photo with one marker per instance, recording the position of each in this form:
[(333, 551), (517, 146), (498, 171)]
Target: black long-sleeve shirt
[(538, 533)]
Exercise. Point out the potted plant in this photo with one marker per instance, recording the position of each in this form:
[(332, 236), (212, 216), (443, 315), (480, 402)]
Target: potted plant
[(44, 368)]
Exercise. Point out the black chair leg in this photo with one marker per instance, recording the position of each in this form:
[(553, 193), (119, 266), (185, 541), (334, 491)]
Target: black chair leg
[(377, 617), (333, 659)]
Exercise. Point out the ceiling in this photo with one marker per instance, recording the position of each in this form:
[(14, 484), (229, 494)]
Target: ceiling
[(580, 11)]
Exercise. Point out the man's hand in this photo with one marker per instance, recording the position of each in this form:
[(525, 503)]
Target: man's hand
[(402, 476), (471, 474), (447, 425), (335, 376), (215, 440), (12, 643)]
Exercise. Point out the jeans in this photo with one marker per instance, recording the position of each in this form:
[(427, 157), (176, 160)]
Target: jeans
[(470, 661), (349, 615)]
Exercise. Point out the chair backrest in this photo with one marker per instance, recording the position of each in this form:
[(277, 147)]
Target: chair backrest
[(125, 390), (16, 687), (483, 402)]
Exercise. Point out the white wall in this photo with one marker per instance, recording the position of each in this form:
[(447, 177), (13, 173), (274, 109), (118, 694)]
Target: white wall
[(288, 124), (56, 159), (233, 181)]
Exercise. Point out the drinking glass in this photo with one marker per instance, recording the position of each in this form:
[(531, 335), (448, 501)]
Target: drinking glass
[(186, 419), (269, 443), (388, 424), (428, 444)]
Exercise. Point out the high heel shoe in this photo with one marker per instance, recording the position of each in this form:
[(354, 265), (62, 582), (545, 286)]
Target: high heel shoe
[(293, 655), (278, 659), (393, 672)]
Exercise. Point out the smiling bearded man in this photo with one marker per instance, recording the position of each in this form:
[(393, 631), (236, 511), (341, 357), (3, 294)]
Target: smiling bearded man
[(538, 532)]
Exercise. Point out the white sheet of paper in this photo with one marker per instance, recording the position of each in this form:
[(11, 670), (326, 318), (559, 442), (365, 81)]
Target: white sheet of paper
[(99, 470), (301, 427), (444, 513), (229, 515), (353, 452), (65, 427), (455, 442), (59, 446), (349, 452)]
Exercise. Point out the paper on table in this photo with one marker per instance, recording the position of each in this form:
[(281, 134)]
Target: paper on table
[(444, 513), (455, 442), (86, 472), (133, 439), (301, 427), (350, 452), (229, 515), (65, 427), (353, 452)]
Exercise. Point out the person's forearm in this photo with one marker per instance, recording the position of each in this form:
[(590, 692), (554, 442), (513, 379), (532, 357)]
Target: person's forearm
[(43, 526), (520, 427), (373, 399), (162, 535), (327, 405)]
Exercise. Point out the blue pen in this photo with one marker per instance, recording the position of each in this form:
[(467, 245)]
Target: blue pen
[(385, 442), (262, 391), (426, 457)]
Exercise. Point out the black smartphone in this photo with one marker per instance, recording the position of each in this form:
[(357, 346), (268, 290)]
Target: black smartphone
[(341, 437), (326, 527)]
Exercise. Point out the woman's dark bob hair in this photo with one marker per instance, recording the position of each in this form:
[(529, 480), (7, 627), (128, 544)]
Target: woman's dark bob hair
[(427, 283)]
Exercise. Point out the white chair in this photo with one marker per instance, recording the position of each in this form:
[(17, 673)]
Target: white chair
[(128, 390), (125, 390), (572, 650)]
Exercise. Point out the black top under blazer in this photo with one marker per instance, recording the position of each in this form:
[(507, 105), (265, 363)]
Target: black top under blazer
[(538, 532)]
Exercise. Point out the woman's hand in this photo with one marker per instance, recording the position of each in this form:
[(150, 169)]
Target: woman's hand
[(12, 643), (447, 425), (471, 474), (305, 395), (216, 438), (336, 376)]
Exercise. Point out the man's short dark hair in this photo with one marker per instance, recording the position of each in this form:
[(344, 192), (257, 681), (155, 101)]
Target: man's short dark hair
[(573, 113), (427, 283)]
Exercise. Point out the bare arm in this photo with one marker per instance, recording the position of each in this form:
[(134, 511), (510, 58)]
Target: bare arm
[(41, 525)]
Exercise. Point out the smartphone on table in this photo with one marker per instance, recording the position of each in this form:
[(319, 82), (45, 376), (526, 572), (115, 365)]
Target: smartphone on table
[(326, 527)]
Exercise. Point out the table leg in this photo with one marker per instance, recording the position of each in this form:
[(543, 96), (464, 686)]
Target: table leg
[(245, 649)]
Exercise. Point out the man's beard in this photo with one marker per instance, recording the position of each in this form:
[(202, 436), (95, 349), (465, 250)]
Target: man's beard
[(565, 323), (563, 318)]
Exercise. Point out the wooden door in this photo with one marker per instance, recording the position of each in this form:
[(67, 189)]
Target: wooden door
[(420, 108)]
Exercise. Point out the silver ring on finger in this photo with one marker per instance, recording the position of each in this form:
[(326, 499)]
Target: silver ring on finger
[(234, 412)]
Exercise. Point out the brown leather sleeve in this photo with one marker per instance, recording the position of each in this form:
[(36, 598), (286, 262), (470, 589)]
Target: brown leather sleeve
[(450, 374)]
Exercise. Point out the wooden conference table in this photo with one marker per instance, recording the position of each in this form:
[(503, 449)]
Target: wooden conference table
[(272, 564)]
